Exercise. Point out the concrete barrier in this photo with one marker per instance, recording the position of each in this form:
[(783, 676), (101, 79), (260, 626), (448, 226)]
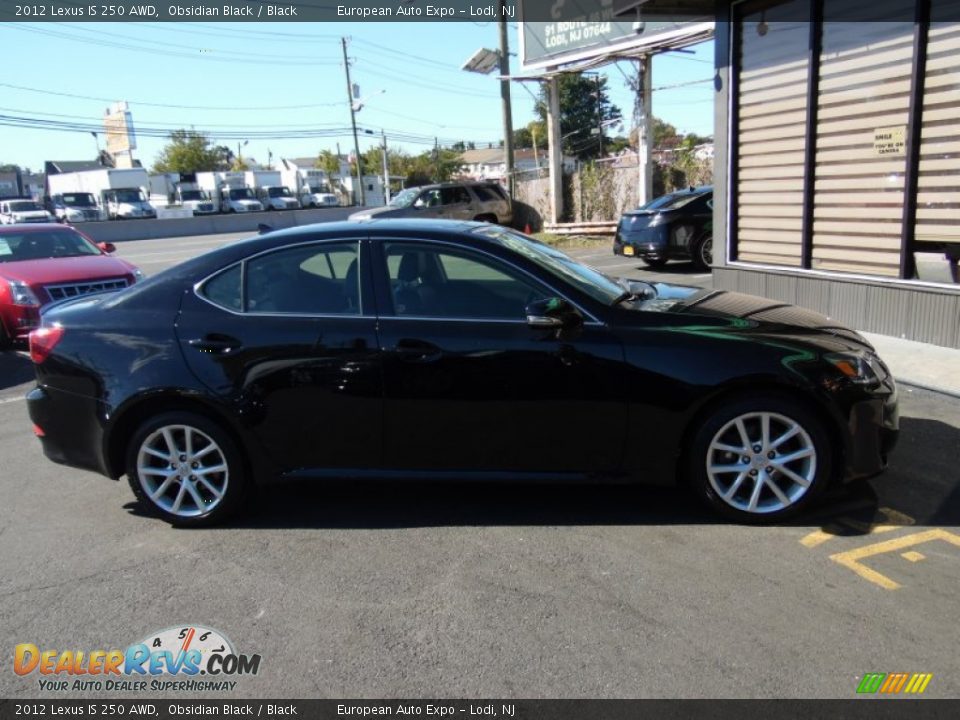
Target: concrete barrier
[(122, 230)]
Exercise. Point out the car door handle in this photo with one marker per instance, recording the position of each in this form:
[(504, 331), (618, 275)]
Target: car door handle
[(215, 343), (417, 350)]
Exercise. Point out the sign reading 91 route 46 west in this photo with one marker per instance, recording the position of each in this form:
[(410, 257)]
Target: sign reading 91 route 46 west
[(554, 32)]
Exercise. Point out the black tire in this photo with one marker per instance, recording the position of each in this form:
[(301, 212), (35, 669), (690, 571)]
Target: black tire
[(654, 262), (720, 426), (702, 253), (5, 342), (232, 483)]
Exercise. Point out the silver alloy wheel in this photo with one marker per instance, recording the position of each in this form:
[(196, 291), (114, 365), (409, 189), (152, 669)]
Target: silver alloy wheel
[(706, 252), (182, 470), (761, 462)]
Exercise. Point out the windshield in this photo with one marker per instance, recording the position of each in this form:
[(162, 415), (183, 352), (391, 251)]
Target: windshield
[(40, 245), (191, 195), (79, 200), (279, 192), (673, 201), (128, 196), (241, 194), (405, 198), (319, 189), (24, 205), (586, 279)]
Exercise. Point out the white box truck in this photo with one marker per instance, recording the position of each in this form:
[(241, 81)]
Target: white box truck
[(121, 192), (270, 190), (230, 190), (312, 187), (181, 190)]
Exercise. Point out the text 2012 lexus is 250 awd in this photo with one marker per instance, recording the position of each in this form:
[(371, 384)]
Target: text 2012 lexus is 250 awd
[(434, 349)]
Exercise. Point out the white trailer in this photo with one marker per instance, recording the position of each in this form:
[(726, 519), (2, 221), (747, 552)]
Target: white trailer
[(121, 192)]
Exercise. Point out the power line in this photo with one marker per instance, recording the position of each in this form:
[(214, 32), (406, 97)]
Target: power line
[(176, 107)]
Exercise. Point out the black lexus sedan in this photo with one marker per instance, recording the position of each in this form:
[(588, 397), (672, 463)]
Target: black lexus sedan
[(439, 350), (675, 226)]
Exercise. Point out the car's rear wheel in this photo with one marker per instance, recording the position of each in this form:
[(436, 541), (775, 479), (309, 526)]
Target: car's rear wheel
[(760, 459), (185, 469), (702, 254), (654, 262)]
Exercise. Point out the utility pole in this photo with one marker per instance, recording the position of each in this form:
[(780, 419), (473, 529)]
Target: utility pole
[(505, 97), (353, 120), (644, 131), (599, 117), (386, 171)]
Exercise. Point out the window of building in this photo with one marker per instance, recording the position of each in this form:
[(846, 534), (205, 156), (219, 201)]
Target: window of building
[(771, 48), (865, 72)]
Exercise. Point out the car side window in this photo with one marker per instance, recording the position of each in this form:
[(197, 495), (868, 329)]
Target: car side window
[(484, 194), (429, 198), (454, 195), (427, 281), (225, 289), (318, 279)]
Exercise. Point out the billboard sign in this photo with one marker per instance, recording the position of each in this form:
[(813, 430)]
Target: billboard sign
[(581, 29), (118, 127)]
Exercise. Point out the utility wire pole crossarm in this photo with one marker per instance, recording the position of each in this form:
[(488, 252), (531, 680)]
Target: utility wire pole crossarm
[(353, 122)]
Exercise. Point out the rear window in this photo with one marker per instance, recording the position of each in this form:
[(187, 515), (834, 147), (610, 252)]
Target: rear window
[(485, 194), (674, 201)]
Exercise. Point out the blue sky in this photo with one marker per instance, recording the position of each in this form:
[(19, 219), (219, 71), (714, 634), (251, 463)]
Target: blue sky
[(241, 78)]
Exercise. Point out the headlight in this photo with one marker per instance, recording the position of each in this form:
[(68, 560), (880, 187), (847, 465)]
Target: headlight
[(862, 368), (21, 294), (138, 275)]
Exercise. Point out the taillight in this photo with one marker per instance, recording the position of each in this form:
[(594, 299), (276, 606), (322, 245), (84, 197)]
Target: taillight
[(43, 341)]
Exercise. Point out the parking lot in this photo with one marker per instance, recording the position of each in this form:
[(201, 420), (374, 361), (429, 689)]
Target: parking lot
[(485, 591)]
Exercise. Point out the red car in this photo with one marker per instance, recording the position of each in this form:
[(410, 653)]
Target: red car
[(40, 264)]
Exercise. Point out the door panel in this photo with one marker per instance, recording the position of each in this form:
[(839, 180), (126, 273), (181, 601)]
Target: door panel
[(469, 386), (307, 386)]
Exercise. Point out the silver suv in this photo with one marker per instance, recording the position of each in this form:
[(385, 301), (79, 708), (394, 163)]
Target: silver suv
[(487, 202)]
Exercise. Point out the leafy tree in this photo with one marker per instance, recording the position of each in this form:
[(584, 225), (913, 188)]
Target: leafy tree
[(328, 162), (584, 104), (189, 151), (522, 138), (239, 165)]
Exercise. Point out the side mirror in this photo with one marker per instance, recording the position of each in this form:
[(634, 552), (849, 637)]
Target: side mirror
[(107, 247), (552, 313)]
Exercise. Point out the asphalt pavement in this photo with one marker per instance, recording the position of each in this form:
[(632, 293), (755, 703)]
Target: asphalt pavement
[(494, 591)]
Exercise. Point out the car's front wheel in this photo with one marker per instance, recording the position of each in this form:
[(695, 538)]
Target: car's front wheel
[(760, 459), (185, 469)]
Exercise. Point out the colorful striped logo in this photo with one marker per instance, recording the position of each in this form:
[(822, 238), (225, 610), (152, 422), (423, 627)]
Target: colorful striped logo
[(894, 683)]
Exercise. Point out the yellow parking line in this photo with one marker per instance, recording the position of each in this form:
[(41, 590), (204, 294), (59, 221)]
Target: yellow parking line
[(851, 558)]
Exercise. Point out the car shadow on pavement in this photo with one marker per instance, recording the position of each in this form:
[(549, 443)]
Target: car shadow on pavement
[(15, 369), (921, 484), (673, 268)]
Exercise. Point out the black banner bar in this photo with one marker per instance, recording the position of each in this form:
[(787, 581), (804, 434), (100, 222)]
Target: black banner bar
[(873, 708)]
